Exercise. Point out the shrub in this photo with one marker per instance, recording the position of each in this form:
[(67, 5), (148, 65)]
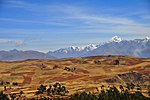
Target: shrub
[(3, 96), (15, 84)]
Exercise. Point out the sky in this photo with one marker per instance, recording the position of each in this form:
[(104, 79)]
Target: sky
[(45, 25)]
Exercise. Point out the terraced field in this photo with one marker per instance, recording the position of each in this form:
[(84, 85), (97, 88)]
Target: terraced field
[(77, 74)]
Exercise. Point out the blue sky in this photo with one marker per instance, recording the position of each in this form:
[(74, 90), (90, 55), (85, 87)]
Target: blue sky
[(45, 25)]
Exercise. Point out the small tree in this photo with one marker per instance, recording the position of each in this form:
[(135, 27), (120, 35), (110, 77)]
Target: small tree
[(63, 90), (121, 88), (117, 62), (3, 96), (57, 89), (15, 84), (49, 90), (132, 86), (41, 89), (126, 95), (67, 69), (83, 96), (148, 90), (102, 95), (5, 88), (116, 92), (128, 86), (12, 96), (20, 93), (102, 87), (139, 87)]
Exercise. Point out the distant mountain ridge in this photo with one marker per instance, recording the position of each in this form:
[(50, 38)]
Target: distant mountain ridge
[(137, 47), (72, 51), (117, 46), (14, 55)]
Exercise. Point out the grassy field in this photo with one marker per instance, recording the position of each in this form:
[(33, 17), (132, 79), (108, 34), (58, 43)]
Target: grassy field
[(77, 74)]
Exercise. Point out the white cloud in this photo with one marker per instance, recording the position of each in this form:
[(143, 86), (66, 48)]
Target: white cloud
[(14, 41), (46, 22), (81, 20)]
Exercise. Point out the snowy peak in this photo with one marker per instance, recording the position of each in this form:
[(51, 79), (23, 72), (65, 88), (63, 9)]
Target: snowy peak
[(69, 49), (74, 48), (116, 39), (147, 38), (90, 47), (144, 40), (72, 51), (77, 49), (120, 47)]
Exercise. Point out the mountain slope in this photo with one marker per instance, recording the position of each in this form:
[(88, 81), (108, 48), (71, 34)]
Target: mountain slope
[(137, 47), (117, 46), (13, 55), (72, 51)]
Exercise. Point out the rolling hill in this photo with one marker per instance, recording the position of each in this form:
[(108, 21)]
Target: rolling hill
[(14, 55)]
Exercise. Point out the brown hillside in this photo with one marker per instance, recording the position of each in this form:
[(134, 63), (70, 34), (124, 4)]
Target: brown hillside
[(77, 74)]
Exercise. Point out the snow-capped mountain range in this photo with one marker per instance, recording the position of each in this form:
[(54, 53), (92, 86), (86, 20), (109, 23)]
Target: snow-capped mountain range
[(136, 47), (72, 51), (116, 46)]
